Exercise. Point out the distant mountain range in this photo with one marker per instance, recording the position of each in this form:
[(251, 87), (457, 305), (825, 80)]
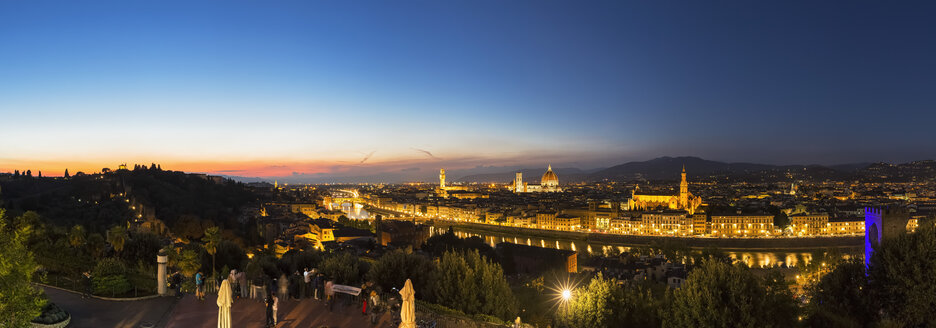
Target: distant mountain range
[(662, 168), (529, 175), (668, 168)]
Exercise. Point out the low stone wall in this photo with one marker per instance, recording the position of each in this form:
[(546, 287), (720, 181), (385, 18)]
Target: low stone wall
[(62, 324), (100, 297), (444, 321)]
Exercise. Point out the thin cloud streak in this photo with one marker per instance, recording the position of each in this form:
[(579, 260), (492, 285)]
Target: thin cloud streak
[(425, 152), (368, 156)]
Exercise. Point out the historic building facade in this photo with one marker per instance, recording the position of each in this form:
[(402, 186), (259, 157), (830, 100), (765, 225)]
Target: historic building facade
[(683, 201), (443, 189), (548, 183)]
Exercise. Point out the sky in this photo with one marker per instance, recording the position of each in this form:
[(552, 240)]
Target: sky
[(306, 90)]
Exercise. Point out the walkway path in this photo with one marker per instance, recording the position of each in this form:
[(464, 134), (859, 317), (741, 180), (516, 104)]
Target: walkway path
[(91, 312), (250, 313), (168, 312)]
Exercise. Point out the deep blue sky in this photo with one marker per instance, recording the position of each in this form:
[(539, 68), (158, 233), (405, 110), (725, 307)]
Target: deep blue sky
[(315, 86)]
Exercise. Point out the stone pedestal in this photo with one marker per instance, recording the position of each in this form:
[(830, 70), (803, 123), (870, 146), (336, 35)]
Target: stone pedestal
[(161, 260)]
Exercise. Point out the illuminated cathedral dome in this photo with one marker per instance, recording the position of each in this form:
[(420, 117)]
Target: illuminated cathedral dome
[(549, 180)]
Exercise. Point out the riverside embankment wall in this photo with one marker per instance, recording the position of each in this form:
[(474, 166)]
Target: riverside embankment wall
[(779, 243)]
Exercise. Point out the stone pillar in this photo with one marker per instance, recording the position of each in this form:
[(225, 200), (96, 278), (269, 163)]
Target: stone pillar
[(161, 260)]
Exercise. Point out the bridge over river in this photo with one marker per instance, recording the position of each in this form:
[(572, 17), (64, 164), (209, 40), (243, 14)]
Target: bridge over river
[(755, 252)]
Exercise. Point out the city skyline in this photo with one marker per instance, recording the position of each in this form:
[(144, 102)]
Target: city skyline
[(469, 163), (311, 89)]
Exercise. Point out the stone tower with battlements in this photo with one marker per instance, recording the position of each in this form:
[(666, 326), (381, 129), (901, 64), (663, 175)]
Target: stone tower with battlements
[(882, 224), (442, 179)]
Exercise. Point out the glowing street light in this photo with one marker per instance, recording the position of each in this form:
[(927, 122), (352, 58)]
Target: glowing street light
[(566, 295)]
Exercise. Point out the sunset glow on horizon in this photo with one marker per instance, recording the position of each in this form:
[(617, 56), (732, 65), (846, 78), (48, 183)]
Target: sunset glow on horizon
[(311, 89)]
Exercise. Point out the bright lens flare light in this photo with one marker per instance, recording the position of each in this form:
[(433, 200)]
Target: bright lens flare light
[(563, 292)]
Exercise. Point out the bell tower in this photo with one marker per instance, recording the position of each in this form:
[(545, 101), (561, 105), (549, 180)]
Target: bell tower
[(442, 178), (683, 190), (518, 183)]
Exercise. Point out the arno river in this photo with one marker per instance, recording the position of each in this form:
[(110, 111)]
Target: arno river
[(751, 258)]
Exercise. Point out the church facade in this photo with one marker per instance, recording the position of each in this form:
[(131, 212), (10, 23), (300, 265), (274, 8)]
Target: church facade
[(683, 201), (548, 183)]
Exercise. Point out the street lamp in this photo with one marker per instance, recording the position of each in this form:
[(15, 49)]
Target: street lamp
[(566, 295)]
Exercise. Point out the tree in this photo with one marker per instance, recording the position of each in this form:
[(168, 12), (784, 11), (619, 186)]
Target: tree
[(471, 283), (779, 304), (230, 254), (840, 298), (77, 236), (110, 277), (591, 305), (117, 237), (455, 287), (357, 224), (637, 307), (189, 262), (189, 227), (96, 244), (29, 220), (717, 294), (394, 267), (344, 268), (142, 247), (66, 173), (20, 301), (902, 278), (261, 265), (606, 303), (212, 240)]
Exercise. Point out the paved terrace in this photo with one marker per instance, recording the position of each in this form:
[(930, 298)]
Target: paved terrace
[(93, 312), (188, 312), (193, 313)]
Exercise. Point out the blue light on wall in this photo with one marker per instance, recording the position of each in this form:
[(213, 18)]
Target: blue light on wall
[(873, 229)]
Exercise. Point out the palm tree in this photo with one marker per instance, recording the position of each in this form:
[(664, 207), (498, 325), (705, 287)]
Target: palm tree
[(212, 239), (96, 244), (77, 237), (117, 237)]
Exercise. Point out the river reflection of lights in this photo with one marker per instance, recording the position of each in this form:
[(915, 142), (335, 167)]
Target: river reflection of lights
[(755, 259)]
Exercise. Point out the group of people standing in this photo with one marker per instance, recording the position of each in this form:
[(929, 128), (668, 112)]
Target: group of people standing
[(310, 284), (235, 283)]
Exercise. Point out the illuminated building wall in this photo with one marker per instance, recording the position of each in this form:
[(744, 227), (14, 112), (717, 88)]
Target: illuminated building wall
[(742, 225), (810, 225)]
